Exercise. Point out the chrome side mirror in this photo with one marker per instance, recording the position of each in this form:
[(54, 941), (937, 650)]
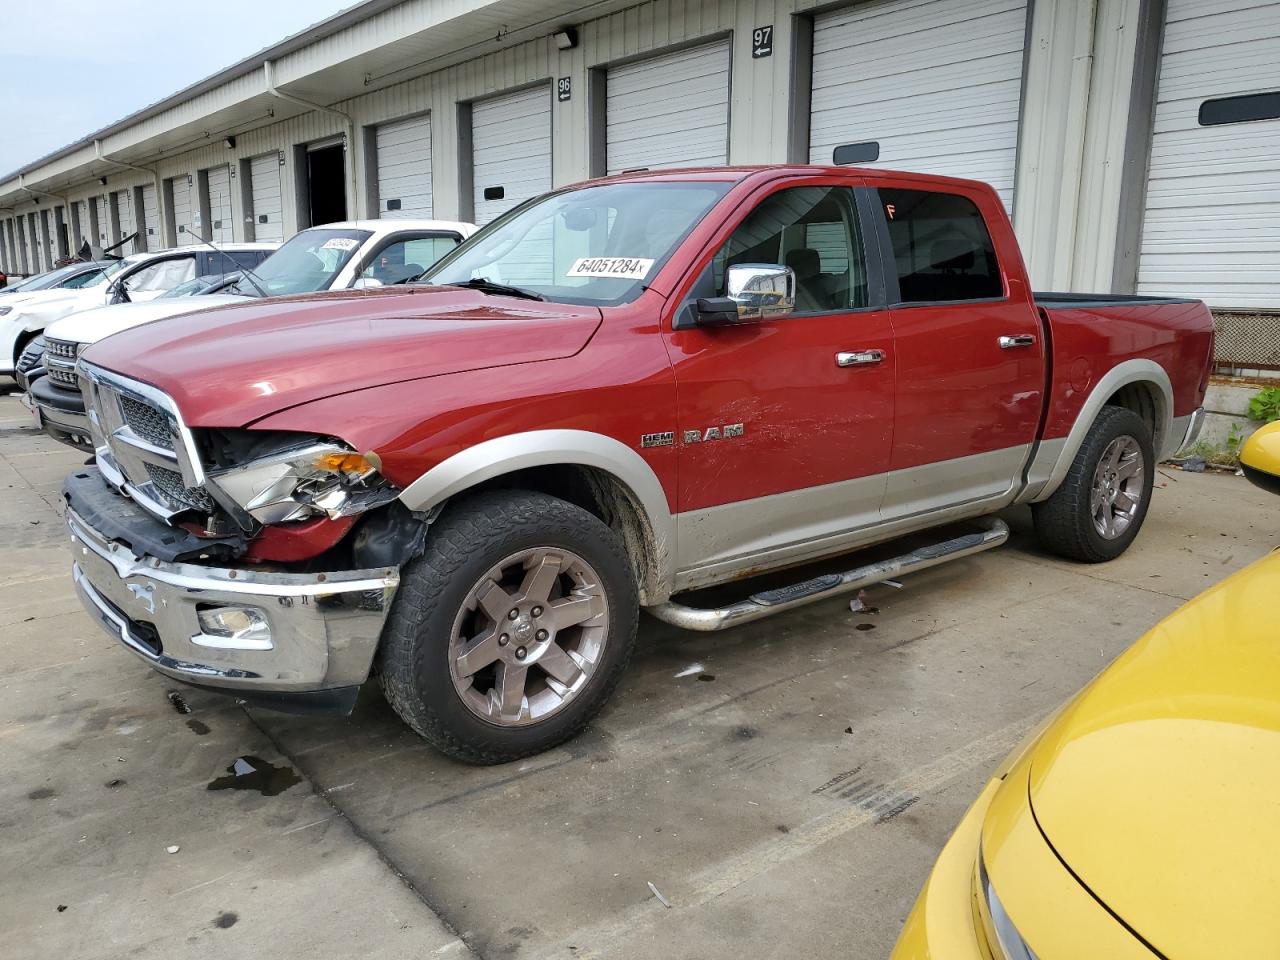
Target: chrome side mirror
[(756, 291)]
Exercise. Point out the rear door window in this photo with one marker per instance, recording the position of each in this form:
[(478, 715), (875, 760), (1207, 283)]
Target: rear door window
[(941, 247)]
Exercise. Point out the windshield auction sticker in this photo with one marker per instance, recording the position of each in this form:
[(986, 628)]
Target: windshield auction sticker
[(340, 243), (622, 268)]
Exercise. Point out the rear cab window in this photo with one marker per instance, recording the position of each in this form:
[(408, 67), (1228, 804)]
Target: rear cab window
[(942, 250)]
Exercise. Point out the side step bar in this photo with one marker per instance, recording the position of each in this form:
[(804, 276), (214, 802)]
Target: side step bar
[(768, 602)]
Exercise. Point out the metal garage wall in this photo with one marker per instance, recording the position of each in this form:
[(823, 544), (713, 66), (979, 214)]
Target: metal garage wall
[(182, 216), (404, 168), (937, 83), (669, 111), (1211, 228), (151, 218), (219, 184), (511, 150), (264, 177)]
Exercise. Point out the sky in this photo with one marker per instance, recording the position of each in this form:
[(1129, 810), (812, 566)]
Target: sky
[(67, 73)]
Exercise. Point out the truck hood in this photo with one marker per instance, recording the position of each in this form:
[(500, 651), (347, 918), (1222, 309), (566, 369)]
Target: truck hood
[(234, 365), (1160, 786), (90, 326)]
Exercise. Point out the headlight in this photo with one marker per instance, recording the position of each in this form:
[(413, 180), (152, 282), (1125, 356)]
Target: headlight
[(1009, 941), (5, 311), (306, 479)]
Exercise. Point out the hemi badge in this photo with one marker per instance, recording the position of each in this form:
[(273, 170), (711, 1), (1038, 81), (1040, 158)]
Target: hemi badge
[(657, 439)]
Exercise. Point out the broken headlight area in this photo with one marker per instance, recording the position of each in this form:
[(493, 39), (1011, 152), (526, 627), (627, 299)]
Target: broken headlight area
[(282, 477)]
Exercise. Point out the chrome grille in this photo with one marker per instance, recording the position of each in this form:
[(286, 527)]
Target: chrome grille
[(141, 445), (169, 484), (62, 348), (60, 363), (64, 377), (146, 421)]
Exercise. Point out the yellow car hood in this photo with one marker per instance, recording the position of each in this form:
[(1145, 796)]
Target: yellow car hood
[(1159, 787)]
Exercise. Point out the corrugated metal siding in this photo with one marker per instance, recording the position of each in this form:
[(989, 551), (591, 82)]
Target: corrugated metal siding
[(1211, 228), (183, 227), (151, 218), (669, 111), (264, 177), (219, 226), (404, 168), (936, 83), (511, 149)]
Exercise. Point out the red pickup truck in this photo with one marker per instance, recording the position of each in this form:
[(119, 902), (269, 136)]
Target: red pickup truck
[(619, 392)]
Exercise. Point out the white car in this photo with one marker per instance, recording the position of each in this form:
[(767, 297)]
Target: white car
[(336, 256), (140, 277)]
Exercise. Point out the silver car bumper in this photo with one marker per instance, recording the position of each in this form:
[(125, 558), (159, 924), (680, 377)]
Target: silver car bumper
[(323, 628)]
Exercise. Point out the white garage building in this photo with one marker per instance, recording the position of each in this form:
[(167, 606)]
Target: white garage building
[(1136, 142)]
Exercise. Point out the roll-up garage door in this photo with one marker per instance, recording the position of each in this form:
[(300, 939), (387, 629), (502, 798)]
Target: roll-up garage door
[(80, 225), (1213, 189), (669, 111), (104, 238), (124, 211), (151, 218), (935, 83), (268, 211), (511, 150), (404, 168), (182, 226), (219, 226)]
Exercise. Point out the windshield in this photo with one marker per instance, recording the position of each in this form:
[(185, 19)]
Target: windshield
[(55, 278), (192, 287), (108, 272), (597, 245), (307, 263)]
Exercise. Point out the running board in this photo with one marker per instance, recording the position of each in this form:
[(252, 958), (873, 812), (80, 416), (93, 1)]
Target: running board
[(768, 602)]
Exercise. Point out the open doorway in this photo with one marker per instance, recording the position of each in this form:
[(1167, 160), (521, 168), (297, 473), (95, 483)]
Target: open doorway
[(326, 195)]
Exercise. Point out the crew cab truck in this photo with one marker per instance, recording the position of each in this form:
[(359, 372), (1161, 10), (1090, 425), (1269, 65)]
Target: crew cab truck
[(617, 393)]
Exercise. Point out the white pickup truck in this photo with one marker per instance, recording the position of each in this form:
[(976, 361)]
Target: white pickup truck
[(336, 256)]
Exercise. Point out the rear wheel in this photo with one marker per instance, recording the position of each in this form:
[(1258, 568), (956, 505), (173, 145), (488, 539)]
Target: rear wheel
[(512, 629), (1100, 507)]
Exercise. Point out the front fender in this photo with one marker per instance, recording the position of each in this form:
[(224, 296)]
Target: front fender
[(542, 448)]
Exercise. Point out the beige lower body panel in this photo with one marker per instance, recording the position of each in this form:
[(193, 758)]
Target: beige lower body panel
[(741, 539)]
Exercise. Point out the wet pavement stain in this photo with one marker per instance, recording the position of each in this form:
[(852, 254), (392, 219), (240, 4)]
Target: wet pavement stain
[(43, 793), (225, 919), (197, 727), (254, 773)]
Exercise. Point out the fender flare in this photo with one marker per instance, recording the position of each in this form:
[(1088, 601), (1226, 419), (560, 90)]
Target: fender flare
[(1121, 375), (544, 448)]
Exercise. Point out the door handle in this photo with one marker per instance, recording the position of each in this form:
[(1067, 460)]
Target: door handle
[(859, 358), (1021, 340)]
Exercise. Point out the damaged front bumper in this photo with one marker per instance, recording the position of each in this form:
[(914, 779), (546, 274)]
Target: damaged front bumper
[(314, 635)]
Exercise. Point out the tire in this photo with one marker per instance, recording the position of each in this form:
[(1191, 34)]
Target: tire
[(1067, 522), (441, 605)]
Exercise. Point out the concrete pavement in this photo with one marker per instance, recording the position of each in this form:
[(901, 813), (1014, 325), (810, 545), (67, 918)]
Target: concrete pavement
[(786, 798)]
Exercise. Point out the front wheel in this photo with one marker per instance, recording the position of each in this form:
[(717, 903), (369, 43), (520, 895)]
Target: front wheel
[(1099, 508), (512, 629)]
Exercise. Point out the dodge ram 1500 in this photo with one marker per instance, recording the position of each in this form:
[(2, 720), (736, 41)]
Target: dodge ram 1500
[(619, 392)]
